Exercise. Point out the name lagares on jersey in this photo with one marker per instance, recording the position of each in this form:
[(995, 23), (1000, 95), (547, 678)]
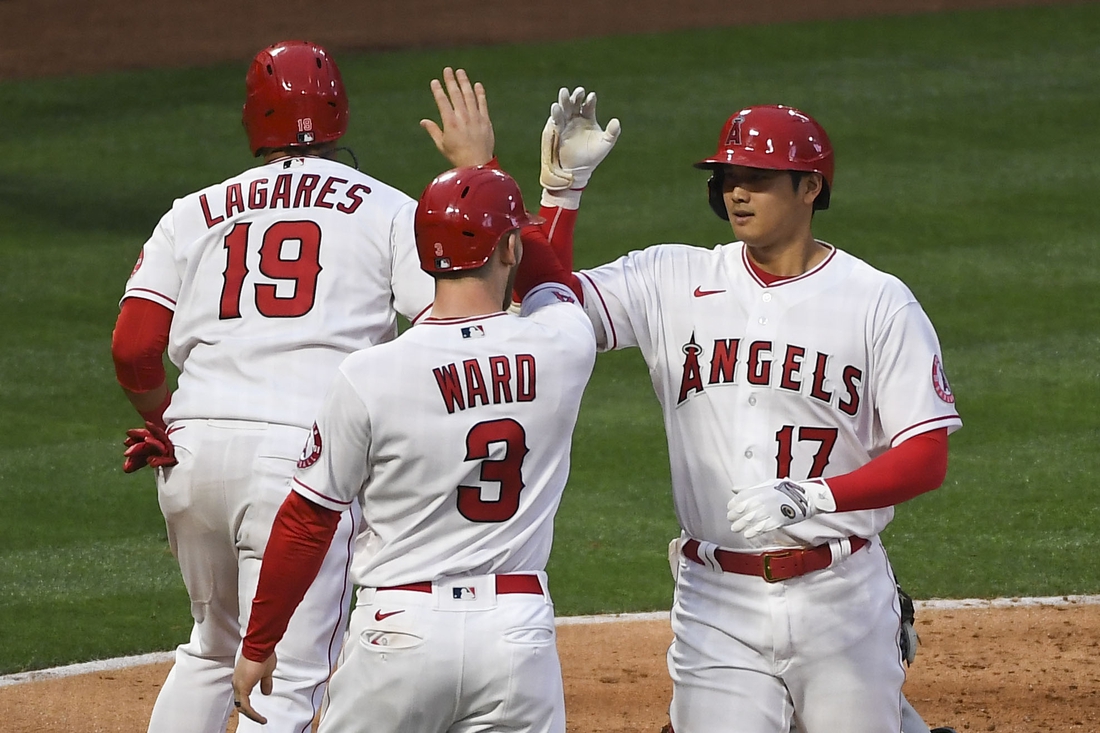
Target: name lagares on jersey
[(731, 361), (284, 193)]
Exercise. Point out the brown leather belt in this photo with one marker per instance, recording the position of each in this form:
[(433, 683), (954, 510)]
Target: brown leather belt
[(517, 583), (772, 566)]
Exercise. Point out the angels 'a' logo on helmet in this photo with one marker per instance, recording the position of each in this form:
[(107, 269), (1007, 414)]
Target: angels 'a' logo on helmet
[(939, 382), (733, 137), (312, 450)]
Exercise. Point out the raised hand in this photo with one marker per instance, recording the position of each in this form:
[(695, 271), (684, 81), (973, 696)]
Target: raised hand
[(466, 136), (573, 143)]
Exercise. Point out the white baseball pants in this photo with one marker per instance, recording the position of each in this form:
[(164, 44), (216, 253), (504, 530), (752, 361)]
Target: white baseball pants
[(448, 661), (219, 503), (820, 650)]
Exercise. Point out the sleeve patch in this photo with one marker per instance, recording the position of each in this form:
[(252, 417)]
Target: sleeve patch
[(137, 265), (939, 381), (312, 450)]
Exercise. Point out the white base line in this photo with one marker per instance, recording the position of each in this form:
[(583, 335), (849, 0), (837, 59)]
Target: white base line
[(937, 604)]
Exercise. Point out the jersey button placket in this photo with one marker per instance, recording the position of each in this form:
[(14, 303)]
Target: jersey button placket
[(758, 329)]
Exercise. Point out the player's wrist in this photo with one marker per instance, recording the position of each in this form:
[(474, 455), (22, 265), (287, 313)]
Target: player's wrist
[(820, 495), (255, 651), (155, 415), (565, 199)]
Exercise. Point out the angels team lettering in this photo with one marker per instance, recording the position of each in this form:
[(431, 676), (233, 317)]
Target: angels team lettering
[(793, 370), (486, 381), (288, 191)]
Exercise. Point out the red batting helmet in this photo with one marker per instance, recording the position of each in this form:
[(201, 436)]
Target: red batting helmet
[(295, 97), (462, 215), (772, 137)]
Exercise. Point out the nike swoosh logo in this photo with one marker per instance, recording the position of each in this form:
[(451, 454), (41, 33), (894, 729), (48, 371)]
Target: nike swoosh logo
[(700, 293), (379, 616)]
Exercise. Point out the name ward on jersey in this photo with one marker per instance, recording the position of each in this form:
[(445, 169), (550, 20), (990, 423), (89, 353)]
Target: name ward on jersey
[(504, 381)]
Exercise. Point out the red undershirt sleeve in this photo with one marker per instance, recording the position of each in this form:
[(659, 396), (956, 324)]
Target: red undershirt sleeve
[(138, 344), (540, 265), (911, 468), (559, 227), (295, 551)]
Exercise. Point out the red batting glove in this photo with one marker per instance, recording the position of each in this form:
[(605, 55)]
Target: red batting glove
[(148, 446)]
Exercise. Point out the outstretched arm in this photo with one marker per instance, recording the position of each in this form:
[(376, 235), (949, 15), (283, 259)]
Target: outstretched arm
[(573, 145)]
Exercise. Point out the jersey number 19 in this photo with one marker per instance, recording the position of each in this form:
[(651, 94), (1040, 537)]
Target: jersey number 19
[(301, 269)]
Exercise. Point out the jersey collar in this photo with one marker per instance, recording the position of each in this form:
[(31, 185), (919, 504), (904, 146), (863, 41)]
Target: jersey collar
[(766, 280), (430, 320)]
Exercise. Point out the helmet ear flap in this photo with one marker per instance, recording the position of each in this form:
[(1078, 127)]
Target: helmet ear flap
[(714, 195)]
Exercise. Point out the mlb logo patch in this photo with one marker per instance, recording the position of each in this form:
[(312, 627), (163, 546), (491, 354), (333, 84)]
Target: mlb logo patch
[(464, 593), (473, 332)]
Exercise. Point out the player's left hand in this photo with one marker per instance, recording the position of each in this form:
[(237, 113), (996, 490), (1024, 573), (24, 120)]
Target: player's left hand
[(466, 137), (777, 503), (148, 446), (573, 143), (245, 676)]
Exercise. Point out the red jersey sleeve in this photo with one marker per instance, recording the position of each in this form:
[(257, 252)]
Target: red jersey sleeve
[(539, 265), (910, 468), (295, 551), (138, 344)]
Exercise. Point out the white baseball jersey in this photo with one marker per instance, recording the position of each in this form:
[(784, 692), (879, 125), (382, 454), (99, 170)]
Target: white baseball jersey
[(812, 376), (274, 276), (455, 438)]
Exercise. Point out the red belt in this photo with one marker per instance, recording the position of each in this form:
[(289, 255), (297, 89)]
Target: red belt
[(505, 584), (772, 566)]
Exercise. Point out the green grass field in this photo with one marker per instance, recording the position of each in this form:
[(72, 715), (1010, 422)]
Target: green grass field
[(966, 165)]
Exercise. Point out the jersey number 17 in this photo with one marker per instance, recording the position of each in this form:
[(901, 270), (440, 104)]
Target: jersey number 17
[(824, 437)]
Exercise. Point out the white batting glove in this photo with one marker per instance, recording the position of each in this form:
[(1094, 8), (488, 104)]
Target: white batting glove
[(777, 503), (573, 143)]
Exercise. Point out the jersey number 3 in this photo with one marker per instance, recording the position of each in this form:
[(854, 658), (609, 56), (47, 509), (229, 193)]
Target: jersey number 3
[(301, 270), (505, 471)]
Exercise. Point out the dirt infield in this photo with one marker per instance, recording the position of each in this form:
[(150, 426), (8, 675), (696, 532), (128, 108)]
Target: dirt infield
[(1019, 670)]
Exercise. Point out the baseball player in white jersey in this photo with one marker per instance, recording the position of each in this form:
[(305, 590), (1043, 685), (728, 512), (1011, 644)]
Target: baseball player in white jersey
[(454, 439), (259, 286), (804, 395)]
